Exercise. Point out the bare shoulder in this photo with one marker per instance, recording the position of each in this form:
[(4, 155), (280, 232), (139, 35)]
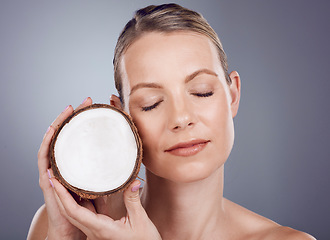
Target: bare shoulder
[(287, 233), (39, 225), (254, 226)]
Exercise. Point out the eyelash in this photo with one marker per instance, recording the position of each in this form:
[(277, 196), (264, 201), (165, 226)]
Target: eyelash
[(207, 94), (148, 108)]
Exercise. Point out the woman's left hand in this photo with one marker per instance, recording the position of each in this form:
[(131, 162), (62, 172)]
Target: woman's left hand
[(136, 225)]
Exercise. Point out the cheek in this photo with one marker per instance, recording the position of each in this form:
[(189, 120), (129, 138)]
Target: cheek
[(149, 128), (216, 115), (219, 124)]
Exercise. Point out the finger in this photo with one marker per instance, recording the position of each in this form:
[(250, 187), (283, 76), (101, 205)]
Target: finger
[(69, 110), (49, 196), (101, 206), (43, 154), (43, 157), (63, 115), (43, 161), (62, 210), (133, 203), (79, 215), (86, 203), (43, 165), (88, 101), (115, 101)]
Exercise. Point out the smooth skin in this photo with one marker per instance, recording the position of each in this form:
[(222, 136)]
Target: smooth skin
[(176, 92)]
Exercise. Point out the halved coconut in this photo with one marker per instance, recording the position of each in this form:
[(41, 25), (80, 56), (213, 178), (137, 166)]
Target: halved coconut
[(96, 151)]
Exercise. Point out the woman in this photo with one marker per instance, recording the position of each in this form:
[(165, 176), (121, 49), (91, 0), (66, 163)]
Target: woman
[(171, 76)]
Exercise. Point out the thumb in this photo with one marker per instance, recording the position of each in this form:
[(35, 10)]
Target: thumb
[(132, 200)]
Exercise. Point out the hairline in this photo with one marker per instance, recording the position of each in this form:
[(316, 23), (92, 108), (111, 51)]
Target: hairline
[(141, 34)]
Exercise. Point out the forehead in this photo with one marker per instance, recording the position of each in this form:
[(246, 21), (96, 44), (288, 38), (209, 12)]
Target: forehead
[(155, 47), (156, 56)]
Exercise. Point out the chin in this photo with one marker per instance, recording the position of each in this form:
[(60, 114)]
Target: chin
[(196, 172), (185, 171)]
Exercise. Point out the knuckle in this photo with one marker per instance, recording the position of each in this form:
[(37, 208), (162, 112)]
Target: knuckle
[(67, 212), (99, 229), (98, 234), (42, 184), (42, 154), (133, 198), (39, 153), (63, 212), (70, 212)]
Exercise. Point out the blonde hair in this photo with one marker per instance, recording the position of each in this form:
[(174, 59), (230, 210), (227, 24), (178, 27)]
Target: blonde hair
[(163, 18)]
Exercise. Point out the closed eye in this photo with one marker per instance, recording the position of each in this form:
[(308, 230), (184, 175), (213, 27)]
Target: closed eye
[(153, 106), (207, 94)]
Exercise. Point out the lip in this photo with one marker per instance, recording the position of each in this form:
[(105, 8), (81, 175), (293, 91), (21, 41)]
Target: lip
[(186, 149)]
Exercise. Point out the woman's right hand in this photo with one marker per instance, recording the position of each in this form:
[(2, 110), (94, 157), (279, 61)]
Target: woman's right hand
[(58, 226)]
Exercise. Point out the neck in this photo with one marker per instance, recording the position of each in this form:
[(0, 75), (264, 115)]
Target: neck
[(184, 210)]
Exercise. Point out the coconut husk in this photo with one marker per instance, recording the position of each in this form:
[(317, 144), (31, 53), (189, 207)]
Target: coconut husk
[(86, 193)]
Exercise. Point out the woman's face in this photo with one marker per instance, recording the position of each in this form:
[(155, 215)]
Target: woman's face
[(175, 90)]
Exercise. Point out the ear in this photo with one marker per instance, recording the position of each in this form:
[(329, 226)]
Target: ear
[(235, 92), (115, 102)]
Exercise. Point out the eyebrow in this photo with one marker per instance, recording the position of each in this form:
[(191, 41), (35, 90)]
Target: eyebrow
[(144, 85), (187, 79), (198, 72)]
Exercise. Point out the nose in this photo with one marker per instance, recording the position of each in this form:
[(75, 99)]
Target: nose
[(181, 115)]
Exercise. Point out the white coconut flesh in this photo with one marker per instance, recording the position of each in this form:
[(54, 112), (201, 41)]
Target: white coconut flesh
[(96, 151)]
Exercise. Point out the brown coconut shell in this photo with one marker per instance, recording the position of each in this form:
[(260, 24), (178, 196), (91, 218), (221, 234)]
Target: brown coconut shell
[(90, 194)]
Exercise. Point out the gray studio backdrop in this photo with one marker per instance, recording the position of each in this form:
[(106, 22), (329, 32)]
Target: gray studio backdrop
[(55, 53)]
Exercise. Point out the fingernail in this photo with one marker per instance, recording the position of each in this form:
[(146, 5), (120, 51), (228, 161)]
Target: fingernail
[(66, 108), (48, 172), (51, 183), (136, 187), (85, 100)]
